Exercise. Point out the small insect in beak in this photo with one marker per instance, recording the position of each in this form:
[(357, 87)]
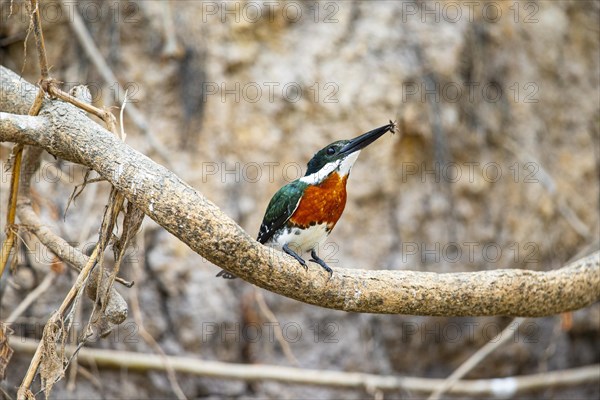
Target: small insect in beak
[(393, 127)]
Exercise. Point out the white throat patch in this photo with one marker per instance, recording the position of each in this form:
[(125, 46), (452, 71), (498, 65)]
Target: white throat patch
[(342, 166), (348, 162)]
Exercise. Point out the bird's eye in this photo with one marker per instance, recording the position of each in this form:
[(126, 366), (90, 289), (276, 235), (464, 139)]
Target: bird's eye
[(331, 151)]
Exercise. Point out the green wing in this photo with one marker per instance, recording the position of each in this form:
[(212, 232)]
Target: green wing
[(280, 209)]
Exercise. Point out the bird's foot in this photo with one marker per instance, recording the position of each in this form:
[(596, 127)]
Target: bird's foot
[(292, 253), (322, 263)]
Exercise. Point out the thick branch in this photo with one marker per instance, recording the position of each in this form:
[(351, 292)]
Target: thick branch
[(199, 223), (501, 387), (21, 128)]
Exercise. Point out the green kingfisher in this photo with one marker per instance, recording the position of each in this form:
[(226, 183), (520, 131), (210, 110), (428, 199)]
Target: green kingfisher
[(303, 213)]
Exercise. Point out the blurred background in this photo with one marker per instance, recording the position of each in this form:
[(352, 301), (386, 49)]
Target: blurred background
[(496, 165)]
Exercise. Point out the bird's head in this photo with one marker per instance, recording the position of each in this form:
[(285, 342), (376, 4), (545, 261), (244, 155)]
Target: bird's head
[(340, 155)]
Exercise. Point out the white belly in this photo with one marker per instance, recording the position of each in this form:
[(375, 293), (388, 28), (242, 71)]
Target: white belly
[(301, 240)]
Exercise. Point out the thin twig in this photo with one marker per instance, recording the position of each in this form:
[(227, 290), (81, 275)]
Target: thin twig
[(12, 200), (14, 189), (122, 121), (37, 103), (269, 315), (476, 358), (32, 296), (39, 39), (54, 91), (501, 387), (24, 391), (73, 362), (109, 220)]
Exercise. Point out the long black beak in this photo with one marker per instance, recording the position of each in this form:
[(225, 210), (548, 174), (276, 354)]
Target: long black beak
[(366, 139)]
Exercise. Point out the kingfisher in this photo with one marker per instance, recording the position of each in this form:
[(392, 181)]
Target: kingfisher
[(302, 214)]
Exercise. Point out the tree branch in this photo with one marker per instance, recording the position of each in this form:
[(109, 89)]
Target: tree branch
[(199, 223), (501, 387)]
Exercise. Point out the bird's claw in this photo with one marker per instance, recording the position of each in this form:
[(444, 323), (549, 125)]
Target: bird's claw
[(303, 263), (323, 265)]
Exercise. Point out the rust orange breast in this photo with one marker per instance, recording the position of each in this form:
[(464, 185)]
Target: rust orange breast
[(322, 203)]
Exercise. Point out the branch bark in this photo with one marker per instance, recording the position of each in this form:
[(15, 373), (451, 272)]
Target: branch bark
[(67, 133)]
